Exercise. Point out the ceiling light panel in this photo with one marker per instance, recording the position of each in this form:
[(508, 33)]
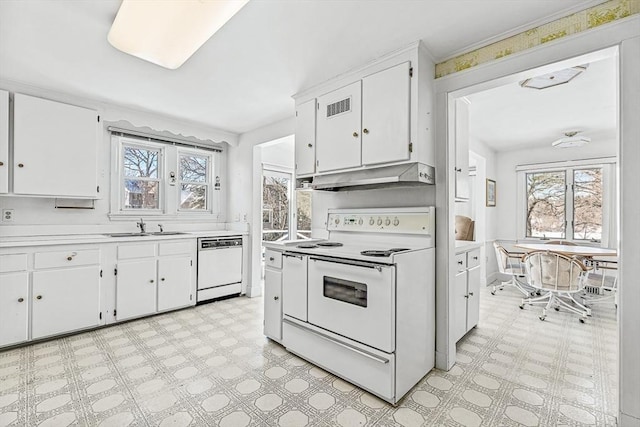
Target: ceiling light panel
[(553, 79), (168, 32)]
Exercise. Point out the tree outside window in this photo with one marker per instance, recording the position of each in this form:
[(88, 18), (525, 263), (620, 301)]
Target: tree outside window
[(141, 178), (194, 182)]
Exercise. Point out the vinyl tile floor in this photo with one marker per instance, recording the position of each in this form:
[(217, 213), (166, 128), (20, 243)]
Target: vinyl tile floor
[(211, 365)]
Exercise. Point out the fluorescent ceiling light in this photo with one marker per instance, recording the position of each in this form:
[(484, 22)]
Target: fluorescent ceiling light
[(168, 32), (553, 79), (570, 140)]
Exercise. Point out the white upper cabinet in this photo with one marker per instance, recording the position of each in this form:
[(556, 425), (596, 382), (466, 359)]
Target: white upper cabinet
[(306, 138), (4, 142), (385, 115), (462, 149), (339, 124), (55, 149)]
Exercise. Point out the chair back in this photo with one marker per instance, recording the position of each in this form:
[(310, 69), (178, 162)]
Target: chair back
[(502, 256), (555, 272), (464, 228)]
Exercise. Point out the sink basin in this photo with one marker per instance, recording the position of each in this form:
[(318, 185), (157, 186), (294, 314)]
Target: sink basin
[(138, 234)]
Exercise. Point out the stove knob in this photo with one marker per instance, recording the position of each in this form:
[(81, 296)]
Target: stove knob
[(360, 221), (396, 222), (337, 221), (372, 221), (379, 221), (387, 222)]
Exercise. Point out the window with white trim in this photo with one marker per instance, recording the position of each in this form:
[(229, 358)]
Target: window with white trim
[(572, 202), (154, 178)]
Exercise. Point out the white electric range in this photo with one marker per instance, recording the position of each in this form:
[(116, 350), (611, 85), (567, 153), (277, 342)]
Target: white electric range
[(361, 304)]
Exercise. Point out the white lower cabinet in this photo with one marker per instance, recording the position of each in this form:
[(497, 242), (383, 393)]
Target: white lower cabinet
[(136, 288), (148, 282), (466, 293), (273, 294), (65, 300), (14, 308)]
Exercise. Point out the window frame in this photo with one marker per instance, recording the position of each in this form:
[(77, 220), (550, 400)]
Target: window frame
[(208, 183), (131, 143), (609, 191)]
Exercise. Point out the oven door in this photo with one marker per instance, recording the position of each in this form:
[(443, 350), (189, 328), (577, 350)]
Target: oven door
[(353, 299)]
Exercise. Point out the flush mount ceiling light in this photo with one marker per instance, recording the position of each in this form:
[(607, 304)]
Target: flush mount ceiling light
[(553, 79), (168, 32), (571, 139)]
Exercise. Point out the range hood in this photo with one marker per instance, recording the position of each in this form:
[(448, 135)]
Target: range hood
[(404, 175)]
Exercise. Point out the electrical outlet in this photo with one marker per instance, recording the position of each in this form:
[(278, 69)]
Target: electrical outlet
[(7, 215)]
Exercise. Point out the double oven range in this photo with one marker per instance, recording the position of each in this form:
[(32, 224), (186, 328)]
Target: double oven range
[(361, 304)]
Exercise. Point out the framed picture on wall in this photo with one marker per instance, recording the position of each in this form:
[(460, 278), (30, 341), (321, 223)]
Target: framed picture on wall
[(491, 193)]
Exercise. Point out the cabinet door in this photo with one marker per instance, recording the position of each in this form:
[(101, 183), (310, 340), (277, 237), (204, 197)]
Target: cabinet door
[(14, 303), (462, 149), (459, 309), (174, 282), (294, 286), (4, 142), (473, 302), (385, 115), (273, 303), (136, 289), (306, 138), (55, 148), (65, 300), (338, 133)]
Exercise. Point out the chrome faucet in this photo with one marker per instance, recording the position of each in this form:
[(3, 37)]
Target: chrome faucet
[(141, 225)]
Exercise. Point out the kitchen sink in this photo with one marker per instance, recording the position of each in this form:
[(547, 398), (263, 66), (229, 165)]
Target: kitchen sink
[(138, 234)]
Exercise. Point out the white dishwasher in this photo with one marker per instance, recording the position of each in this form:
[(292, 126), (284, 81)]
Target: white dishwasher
[(219, 267)]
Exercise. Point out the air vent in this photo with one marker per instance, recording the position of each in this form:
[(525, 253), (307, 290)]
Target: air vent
[(342, 106)]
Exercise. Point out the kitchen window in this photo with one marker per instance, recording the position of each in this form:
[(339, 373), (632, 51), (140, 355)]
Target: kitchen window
[(158, 179), (574, 202)]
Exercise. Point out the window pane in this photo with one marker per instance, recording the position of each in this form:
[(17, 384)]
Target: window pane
[(141, 194), (303, 213), (193, 168), (275, 208), (587, 204), (139, 162), (193, 197), (546, 204)]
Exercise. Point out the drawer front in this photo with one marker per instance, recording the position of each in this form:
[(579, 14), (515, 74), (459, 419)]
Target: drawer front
[(176, 248), (137, 251), (273, 258), (67, 258), (461, 261), (13, 262), (473, 258)]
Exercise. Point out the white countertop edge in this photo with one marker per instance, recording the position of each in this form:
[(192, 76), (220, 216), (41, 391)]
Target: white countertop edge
[(467, 245), (47, 240)]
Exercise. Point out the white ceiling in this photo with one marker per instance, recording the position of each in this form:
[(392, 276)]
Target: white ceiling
[(512, 117), (243, 77)]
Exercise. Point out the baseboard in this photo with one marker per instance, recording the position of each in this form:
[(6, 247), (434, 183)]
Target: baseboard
[(254, 291), (492, 277)]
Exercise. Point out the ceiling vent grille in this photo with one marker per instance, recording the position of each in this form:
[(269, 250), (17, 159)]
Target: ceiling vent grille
[(339, 107)]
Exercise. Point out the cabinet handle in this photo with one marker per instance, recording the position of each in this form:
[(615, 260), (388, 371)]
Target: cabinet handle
[(20, 165), (276, 298), (458, 169), (39, 297), (355, 134), (271, 258), (475, 257), (309, 145), (460, 262), (20, 299), (162, 279), (365, 130), (466, 296), (151, 281), (1, 163), (470, 294), (70, 257)]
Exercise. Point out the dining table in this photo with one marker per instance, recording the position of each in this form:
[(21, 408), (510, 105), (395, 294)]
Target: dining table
[(568, 250)]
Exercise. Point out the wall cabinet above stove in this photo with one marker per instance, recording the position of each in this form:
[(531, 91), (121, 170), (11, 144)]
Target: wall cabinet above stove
[(55, 149), (377, 115), (4, 142)]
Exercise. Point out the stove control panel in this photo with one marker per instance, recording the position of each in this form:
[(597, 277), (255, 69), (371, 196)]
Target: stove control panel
[(387, 222)]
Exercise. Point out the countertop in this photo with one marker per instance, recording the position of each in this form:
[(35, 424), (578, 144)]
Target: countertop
[(65, 239), (284, 244), (466, 246)]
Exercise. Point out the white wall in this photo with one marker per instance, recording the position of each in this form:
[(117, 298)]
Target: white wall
[(36, 215), (280, 153), (506, 182)]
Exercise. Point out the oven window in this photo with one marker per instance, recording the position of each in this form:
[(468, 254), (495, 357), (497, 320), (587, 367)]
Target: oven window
[(344, 290)]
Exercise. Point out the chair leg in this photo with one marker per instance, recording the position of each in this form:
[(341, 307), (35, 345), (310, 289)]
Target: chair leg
[(552, 298)]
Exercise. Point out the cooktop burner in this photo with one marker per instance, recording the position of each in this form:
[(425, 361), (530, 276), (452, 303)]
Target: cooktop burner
[(307, 246), (382, 253), (330, 244)]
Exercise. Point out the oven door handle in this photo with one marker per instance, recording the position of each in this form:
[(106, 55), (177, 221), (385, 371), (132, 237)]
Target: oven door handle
[(347, 346), (378, 267), (290, 255)]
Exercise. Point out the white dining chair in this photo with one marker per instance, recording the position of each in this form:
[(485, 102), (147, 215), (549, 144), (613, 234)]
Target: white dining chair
[(560, 277), (604, 280), (510, 265)]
